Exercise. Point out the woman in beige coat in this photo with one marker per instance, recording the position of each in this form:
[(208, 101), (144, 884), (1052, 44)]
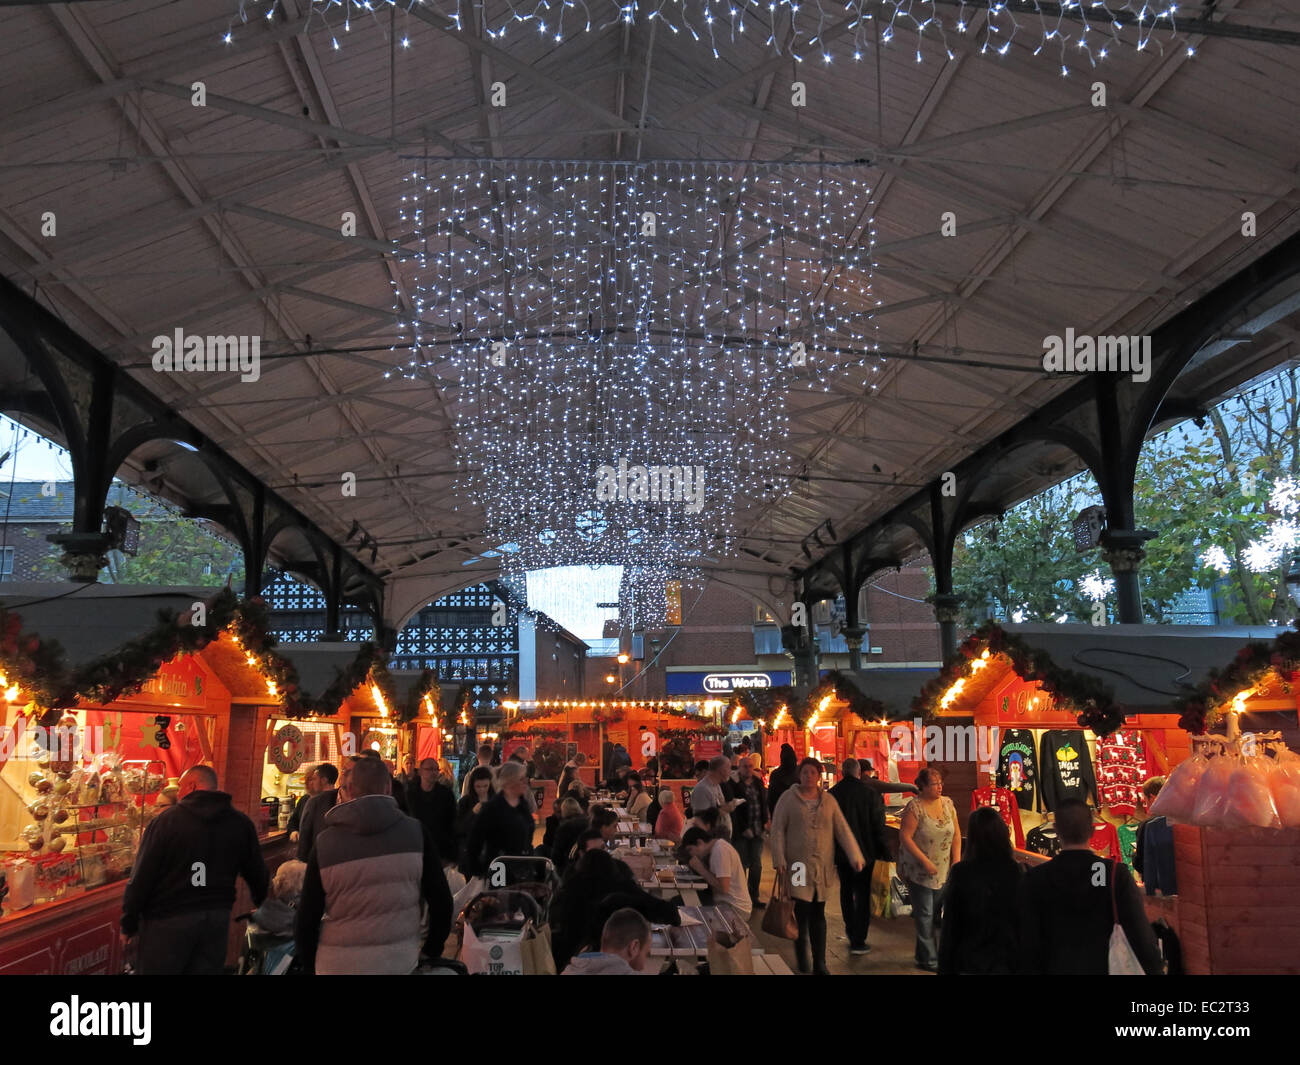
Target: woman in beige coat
[(806, 825)]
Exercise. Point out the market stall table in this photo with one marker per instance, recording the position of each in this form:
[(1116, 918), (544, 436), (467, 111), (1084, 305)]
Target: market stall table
[(690, 939)]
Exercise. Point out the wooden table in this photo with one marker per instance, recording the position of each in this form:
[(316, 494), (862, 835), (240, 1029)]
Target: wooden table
[(689, 944), (692, 941)]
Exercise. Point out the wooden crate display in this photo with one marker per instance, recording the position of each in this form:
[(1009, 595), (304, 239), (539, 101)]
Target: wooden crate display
[(1238, 899)]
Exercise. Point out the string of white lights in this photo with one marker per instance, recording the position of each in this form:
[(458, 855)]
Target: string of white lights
[(1092, 27), (624, 336)]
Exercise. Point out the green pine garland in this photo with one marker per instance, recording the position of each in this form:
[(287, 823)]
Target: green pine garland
[(838, 684), (39, 666), (1204, 706), (426, 685), (1088, 696)]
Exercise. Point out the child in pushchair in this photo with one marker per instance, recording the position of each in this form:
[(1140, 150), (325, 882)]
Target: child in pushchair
[(268, 943)]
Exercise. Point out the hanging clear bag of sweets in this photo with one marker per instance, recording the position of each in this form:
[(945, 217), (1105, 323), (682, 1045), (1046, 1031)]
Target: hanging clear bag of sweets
[(1212, 791), (1249, 801), (1284, 782), (1177, 799)]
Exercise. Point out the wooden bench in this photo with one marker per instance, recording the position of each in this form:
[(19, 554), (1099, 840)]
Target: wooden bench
[(769, 964)]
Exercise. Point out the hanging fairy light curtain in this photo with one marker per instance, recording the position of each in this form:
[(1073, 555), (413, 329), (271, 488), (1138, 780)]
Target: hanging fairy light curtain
[(621, 338), (1090, 28)]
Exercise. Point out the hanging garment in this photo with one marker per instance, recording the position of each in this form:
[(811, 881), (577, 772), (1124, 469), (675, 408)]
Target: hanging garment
[(1121, 770), (1018, 766), (1066, 768), (1105, 841), (1004, 802), (1128, 841), (1043, 840)]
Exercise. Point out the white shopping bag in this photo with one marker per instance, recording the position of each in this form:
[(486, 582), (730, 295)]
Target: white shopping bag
[(497, 953), (473, 888)]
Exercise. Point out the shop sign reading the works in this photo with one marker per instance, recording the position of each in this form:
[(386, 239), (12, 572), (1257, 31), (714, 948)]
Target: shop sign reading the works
[(725, 683)]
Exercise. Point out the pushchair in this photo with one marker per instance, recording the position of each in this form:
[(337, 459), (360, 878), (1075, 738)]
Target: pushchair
[(264, 953), (528, 874), (498, 928)]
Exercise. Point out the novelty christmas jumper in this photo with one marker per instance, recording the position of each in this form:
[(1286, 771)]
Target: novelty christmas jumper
[(1004, 802), (1066, 768), (1018, 766), (1121, 769)]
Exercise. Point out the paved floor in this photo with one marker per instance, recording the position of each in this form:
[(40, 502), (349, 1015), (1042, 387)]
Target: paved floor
[(892, 941)]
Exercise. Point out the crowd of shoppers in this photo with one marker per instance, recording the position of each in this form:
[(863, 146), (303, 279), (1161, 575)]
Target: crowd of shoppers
[(369, 892)]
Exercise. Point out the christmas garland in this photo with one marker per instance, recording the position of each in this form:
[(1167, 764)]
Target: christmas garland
[(688, 734), (464, 705), (426, 685), (39, 665), (1090, 697), (838, 684), (1203, 707), (765, 703)]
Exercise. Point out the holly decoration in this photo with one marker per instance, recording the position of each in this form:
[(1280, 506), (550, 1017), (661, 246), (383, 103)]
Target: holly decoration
[(39, 666), (1203, 707), (414, 705), (839, 685), (1096, 706)]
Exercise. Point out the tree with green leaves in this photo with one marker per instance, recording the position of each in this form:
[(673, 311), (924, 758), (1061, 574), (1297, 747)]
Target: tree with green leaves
[(173, 551), (1204, 488)]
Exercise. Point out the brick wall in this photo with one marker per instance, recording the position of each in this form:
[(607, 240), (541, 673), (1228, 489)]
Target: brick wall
[(559, 673), (718, 630), (904, 629)]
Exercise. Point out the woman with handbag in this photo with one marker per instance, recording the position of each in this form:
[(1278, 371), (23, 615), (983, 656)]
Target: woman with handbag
[(929, 844), (806, 825)]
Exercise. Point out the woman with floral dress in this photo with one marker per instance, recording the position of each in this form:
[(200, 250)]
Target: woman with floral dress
[(929, 846)]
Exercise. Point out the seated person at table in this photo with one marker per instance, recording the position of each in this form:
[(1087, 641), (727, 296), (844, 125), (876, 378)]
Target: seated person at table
[(706, 820), (719, 863), (599, 879), (565, 810), (670, 824), (617, 782), (566, 835), (624, 948), (638, 801), (591, 840)]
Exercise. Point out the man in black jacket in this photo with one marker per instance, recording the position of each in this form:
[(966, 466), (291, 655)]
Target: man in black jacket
[(864, 810), (1068, 906), (182, 887), (432, 803), (747, 824), (313, 813)]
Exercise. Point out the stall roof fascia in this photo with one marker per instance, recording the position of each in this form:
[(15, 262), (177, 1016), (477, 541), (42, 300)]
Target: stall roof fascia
[(894, 688), (58, 611), (1155, 663)]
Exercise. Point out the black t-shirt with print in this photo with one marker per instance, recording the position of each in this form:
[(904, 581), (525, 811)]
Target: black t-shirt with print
[(1018, 765), (1043, 840)]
